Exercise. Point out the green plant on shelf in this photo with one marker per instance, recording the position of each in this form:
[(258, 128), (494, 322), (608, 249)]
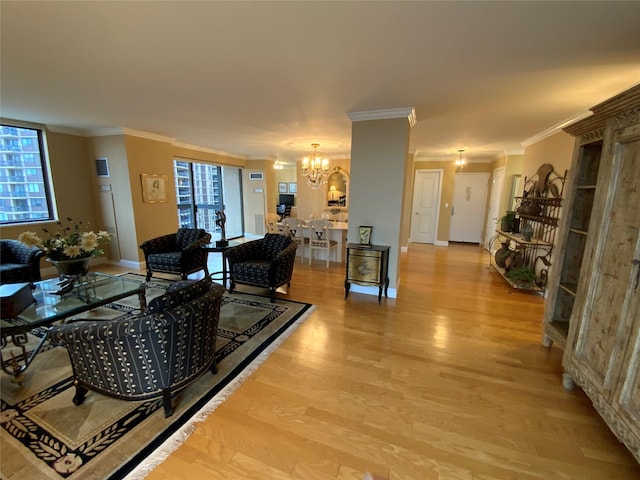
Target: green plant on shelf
[(522, 276), (507, 221)]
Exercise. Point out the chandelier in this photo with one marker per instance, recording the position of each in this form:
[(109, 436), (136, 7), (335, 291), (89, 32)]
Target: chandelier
[(460, 161), (277, 165), (315, 167)]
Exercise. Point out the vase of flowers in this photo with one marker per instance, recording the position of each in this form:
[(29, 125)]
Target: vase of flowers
[(70, 248)]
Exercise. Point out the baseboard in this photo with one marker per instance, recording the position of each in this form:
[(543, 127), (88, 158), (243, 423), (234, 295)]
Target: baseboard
[(441, 243), (128, 264)]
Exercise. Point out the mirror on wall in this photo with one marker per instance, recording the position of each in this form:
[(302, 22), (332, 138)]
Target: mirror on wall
[(338, 188)]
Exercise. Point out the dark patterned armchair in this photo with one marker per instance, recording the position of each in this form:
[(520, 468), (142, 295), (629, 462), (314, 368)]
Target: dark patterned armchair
[(267, 262), (180, 253), (154, 354), (19, 262)]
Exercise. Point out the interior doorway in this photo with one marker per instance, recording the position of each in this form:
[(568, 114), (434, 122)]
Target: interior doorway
[(427, 187), (469, 207), (494, 206)]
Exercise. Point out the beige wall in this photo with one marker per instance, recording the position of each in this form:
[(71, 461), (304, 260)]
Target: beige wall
[(556, 150), (114, 193), (150, 220), (255, 195)]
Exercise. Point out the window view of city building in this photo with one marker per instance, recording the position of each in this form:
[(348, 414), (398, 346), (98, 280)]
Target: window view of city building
[(24, 193), (201, 190)]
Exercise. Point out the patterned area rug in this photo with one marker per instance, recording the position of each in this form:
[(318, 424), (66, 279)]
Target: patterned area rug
[(44, 435)]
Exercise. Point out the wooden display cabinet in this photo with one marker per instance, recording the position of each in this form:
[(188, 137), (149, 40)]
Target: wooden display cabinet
[(593, 308)]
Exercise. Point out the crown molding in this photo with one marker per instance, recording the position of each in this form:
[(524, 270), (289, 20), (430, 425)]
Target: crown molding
[(78, 132), (209, 150), (407, 112), (554, 129), (105, 132)]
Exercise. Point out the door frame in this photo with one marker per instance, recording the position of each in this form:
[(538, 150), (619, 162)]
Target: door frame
[(440, 173), (489, 232)]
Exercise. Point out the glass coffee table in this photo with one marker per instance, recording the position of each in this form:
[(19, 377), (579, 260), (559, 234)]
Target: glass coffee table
[(97, 290)]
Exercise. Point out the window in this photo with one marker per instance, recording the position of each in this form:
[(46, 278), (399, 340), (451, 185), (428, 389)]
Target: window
[(202, 189), (24, 186)]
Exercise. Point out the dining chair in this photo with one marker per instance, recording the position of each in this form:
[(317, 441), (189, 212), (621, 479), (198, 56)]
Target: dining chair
[(319, 238), (271, 221), (295, 228)]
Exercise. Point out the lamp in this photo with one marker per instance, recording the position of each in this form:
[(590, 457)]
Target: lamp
[(460, 161), (315, 167), (277, 165)]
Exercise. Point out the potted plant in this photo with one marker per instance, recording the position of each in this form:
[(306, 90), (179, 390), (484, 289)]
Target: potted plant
[(70, 248), (523, 276), (507, 221)]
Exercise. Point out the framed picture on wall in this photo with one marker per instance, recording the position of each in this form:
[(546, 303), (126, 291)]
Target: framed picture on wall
[(154, 188), (293, 187), (282, 187)]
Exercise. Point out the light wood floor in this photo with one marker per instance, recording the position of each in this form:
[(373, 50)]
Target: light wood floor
[(448, 381)]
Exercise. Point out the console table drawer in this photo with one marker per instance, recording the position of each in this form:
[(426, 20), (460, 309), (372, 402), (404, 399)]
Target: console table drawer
[(364, 268)]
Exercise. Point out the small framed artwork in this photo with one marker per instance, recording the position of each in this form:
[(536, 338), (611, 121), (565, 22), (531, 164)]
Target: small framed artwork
[(282, 187), (365, 236), (154, 188), (293, 187)]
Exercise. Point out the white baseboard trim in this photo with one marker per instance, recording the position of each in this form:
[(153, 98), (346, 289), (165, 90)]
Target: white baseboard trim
[(128, 264), (392, 292), (441, 243)]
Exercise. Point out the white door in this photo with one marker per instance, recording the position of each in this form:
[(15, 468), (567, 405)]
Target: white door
[(494, 206), (469, 207), (426, 200)]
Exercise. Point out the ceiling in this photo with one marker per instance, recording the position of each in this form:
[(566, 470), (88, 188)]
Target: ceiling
[(267, 79)]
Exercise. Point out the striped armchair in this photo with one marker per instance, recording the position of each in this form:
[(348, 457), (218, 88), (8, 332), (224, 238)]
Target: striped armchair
[(151, 355), (180, 253), (267, 262)]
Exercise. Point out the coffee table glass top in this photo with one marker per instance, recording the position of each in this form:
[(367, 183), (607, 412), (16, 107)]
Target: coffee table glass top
[(99, 290)]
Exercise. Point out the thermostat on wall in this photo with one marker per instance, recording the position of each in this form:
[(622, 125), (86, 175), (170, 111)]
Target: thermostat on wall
[(256, 176)]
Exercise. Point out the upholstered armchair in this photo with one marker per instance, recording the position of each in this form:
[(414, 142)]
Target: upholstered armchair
[(19, 262), (267, 262), (180, 253), (154, 354)]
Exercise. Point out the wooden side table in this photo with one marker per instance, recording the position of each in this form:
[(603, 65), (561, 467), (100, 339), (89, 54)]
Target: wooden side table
[(367, 265)]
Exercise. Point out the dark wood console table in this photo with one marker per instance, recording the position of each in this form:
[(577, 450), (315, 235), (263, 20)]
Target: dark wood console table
[(367, 265)]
